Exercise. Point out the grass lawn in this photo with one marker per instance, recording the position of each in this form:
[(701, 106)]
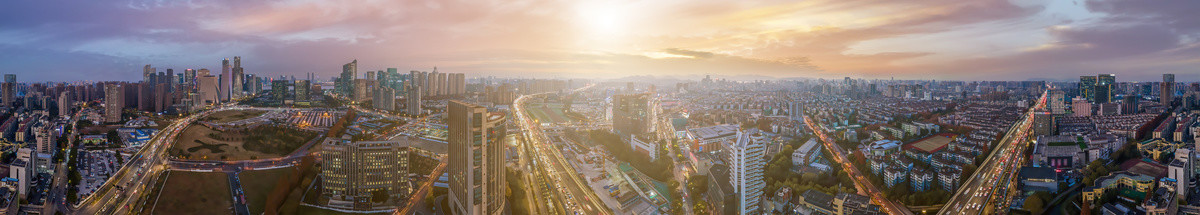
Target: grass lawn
[(198, 142), (257, 184), (306, 210), (194, 193), (232, 115)]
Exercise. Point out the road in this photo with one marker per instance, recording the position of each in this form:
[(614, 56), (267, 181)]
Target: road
[(863, 185), (425, 188), (569, 185), (237, 194), (979, 192), (122, 192)]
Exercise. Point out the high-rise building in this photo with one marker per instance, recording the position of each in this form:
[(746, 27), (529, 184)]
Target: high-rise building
[(279, 90), (1058, 102), (1087, 86), (1104, 88), (476, 159), (431, 84), (208, 88), (66, 100), (239, 78), (746, 164), (147, 71), (634, 114), (1081, 107), (302, 89), (1181, 169), (9, 89), (345, 82), (412, 100), (224, 80), (1168, 89), (352, 172), (1129, 104), (113, 102), (1043, 123), (385, 98)]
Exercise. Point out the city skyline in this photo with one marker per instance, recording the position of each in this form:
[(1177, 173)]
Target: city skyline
[(976, 40)]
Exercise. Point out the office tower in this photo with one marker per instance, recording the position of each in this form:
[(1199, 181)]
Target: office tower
[(1103, 88), (476, 159), (352, 172), (9, 89), (279, 89), (413, 100), (1081, 107), (189, 77), (1043, 123), (1168, 89), (239, 78), (65, 100), (302, 89), (1087, 86), (223, 81), (634, 114), (746, 164), (113, 102), (385, 98), (370, 75), (345, 82), (208, 88)]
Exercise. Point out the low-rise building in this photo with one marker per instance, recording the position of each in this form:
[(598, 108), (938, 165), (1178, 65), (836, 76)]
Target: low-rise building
[(1038, 179), (1136, 184)]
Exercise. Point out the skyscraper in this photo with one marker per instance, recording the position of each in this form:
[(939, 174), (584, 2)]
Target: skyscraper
[(113, 102), (746, 165), (1087, 86), (239, 78), (1104, 88), (302, 89), (476, 159), (223, 88), (1168, 89), (345, 84), (352, 171)]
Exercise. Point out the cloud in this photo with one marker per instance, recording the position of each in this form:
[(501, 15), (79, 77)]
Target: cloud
[(946, 39)]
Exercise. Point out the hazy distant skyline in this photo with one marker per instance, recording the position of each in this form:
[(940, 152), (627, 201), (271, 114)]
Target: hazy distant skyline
[(927, 39)]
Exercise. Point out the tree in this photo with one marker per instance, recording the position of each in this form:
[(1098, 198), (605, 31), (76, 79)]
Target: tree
[(1034, 204)]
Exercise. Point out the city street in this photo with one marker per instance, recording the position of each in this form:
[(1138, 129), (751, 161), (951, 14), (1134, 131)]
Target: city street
[(552, 164), (860, 182), (977, 195)]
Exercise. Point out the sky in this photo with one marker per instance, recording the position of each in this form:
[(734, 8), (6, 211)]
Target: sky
[(1138, 40)]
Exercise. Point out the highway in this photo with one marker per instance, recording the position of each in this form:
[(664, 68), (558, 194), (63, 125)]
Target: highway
[(121, 193), (978, 195), (572, 190), (863, 185)]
